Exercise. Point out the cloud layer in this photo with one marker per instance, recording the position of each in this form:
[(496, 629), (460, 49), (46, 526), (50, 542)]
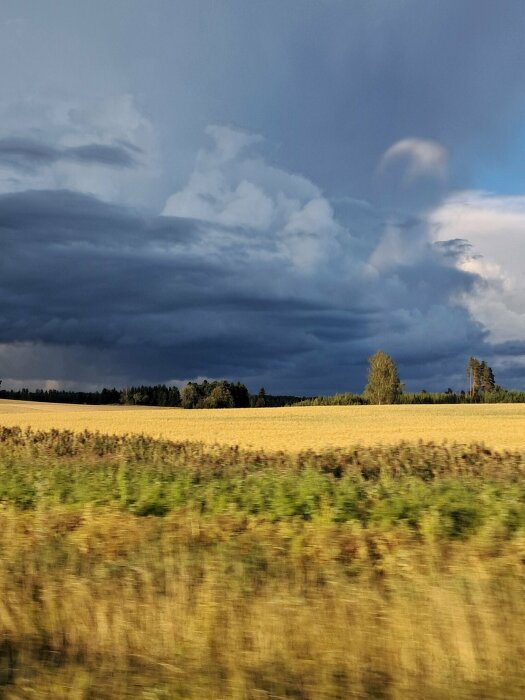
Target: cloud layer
[(250, 273), (373, 197), (28, 155)]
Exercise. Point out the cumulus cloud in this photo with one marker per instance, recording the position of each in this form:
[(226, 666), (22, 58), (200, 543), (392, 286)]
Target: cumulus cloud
[(290, 295), (494, 227), (106, 148), (233, 186), (411, 176), (417, 158), (254, 271)]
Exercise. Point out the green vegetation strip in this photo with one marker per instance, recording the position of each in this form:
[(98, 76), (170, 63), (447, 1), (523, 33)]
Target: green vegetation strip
[(451, 491)]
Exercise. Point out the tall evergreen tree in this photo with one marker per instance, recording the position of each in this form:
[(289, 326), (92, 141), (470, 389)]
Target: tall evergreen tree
[(481, 377), (241, 396), (474, 375), (488, 382), (260, 401)]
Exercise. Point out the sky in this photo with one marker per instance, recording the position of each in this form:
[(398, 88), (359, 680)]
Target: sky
[(264, 191)]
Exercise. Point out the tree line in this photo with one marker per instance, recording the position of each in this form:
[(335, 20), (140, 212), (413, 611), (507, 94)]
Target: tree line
[(206, 394), (383, 387)]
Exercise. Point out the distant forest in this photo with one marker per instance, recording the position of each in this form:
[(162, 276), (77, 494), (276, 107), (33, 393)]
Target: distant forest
[(382, 380), (498, 395), (217, 394)]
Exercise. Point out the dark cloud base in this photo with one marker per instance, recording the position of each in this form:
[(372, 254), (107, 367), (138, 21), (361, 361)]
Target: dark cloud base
[(124, 297), (28, 155)]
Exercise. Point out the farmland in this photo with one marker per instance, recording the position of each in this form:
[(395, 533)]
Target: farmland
[(500, 426), (133, 567)]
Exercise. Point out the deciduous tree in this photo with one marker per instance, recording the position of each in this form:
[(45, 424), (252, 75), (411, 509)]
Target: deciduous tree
[(383, 380)]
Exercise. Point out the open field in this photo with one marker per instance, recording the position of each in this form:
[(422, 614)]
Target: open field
[(131, 568), (500, 426), (136, 568)]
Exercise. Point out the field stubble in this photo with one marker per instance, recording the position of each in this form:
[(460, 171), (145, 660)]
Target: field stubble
[(500, 426)]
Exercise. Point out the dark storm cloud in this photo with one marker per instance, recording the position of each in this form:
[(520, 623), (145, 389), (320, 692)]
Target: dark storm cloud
[(29, 155), (161, 298), (396, 104)]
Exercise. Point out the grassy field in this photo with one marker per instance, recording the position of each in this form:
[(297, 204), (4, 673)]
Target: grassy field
[(133, 568), (500, 426)]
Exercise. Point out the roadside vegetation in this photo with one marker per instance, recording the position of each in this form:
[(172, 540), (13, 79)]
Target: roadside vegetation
[(132, 567)]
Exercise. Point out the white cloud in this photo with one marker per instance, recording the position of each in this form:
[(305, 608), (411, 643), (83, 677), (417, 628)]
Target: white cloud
[(495, 227), (229, 142), (66, 124), (233, 187), (417, 157), (316, 216)]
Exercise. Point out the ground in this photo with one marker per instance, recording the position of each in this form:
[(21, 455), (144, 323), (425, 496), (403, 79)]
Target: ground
[(499, 426)]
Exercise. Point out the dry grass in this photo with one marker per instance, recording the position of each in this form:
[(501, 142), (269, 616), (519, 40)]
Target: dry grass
[(500, 426), (394, 573), (106, 605)]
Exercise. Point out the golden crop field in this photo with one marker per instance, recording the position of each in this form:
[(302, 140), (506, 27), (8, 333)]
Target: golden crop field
[(499, 426)]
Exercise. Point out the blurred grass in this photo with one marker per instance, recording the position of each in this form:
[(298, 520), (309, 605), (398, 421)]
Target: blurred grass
[(144, 569)]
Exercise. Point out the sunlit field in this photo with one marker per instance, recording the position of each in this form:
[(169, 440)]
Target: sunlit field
[(499, 426), (135, 568), (138, 568)]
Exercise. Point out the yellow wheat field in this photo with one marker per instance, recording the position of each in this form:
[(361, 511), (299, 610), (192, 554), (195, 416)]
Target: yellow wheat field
[(499, 426)]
